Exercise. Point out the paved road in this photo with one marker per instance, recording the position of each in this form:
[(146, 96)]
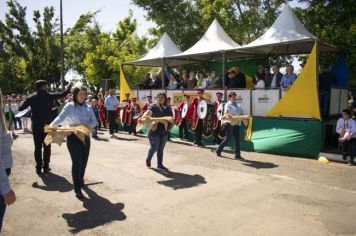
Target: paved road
[(202, 195)]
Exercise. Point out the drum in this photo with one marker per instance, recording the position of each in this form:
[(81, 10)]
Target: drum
[(202, 109), (176, 116), (208, 121), (220, 111), (185, 110)]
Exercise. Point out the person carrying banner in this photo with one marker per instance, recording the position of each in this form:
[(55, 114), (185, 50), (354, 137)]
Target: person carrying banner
[(158, 137), (77, 113), (41, 103), (232, 129)]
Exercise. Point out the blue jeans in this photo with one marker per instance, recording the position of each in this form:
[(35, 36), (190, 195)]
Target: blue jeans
[(157, 143), (230, 132), (79, 153)]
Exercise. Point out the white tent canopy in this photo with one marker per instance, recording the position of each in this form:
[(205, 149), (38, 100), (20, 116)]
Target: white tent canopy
[(286, 36), (210, 46), (157, 55)]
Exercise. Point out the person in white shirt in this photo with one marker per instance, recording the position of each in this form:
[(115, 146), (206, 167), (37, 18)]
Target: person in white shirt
[(232, 130), (260, 83), (7, 196), (111, 103), (346, 128)]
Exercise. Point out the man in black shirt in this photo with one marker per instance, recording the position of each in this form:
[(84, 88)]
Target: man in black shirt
[(237, 81), (41, 103)]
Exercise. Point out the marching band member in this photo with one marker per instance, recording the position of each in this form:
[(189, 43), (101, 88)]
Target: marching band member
[(148, 103), (183, 126), (126, 116), (135, 112), (232, 129), (217, 122), (102, 112), (158, 137), (198, 129)]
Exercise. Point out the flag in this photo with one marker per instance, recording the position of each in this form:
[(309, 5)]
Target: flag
[(301, 99), (125, 88)]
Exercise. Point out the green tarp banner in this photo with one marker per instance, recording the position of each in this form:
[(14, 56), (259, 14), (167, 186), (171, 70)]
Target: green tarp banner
[(289, 137)]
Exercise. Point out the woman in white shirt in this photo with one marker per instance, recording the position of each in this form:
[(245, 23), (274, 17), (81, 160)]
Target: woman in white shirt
[(260, 83), (76, 113)]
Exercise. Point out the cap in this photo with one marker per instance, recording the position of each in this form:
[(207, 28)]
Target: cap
[(200, 90), (186, 95), (232, 69), (168, 97), (133, 99), (149, 96), (127, 93), (219, 93)]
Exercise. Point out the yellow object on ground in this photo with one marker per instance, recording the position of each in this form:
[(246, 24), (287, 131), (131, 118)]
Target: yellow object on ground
[(323, 160)]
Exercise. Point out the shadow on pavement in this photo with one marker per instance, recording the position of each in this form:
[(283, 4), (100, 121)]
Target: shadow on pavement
[(53, 182), (259, 164), (180, 180), (99, 211)]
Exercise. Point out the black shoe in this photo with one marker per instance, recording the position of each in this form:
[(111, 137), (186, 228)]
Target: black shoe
[(163, 168), (46, 170), (344, 156), (218, 154), (201, 145), (239, 158), (38, 171), (79, 194), (148, 163)]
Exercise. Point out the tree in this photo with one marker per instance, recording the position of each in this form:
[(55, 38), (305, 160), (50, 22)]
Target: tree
[(27, 56), (333, 21)]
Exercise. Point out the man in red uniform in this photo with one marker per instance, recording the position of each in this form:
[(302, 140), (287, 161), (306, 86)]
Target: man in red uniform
[(147, 104), (217, 122), (134, 112), (183, 126), (197, 123), (126, 116)]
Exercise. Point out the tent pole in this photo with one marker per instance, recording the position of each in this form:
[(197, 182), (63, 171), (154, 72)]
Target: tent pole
[(163, 73), (223, 74)]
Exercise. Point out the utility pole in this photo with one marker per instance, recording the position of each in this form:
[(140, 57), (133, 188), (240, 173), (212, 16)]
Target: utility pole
[(62, 46)]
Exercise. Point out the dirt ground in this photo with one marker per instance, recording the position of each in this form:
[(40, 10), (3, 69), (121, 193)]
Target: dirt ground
[(202, 195)]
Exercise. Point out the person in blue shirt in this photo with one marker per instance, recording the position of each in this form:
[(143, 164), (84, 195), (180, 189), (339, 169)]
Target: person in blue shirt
[(158, 138), (76, 113), (289, 78), (232, 129), (94, 106)]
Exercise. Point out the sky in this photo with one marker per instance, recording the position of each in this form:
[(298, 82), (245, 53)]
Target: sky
[(111, 12)]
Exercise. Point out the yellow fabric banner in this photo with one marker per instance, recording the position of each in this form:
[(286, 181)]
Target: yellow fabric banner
[(249, 82), (124, 87), (301, 99)]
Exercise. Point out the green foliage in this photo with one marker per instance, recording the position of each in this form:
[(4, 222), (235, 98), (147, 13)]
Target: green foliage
[(335, 22), (27, 56)]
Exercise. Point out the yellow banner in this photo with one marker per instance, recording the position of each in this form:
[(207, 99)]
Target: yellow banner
[(301, 99), (124, 87)]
